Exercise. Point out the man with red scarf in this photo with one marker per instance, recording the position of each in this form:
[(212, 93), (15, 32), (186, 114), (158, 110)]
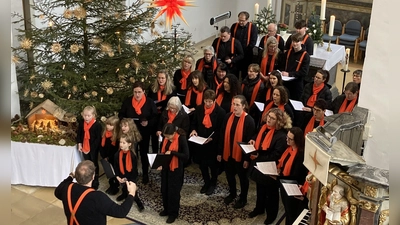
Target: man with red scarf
[(208, 64), (317, 118)]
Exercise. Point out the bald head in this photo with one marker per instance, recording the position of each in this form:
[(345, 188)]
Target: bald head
[(272, 28)]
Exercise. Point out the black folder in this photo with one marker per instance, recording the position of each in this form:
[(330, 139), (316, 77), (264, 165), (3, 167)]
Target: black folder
[(161, 160), (161, 104), (108, 168)]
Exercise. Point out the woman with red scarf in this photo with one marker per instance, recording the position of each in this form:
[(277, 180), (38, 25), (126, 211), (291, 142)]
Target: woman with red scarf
[(319, 89), (181, 76), (208, 64), (252, 87), (317, 118), (290, 167), (144, 112), (270, 143), (238, 126), (217, 80), (207, 122), (271, 57), (230, 89), (346, 101), (274, 80), (196, 88), (174, 114), (160, 91), (279, 100), (174, 144)]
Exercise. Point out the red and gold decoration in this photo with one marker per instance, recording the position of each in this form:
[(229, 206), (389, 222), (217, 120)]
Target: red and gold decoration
[(170, 8)]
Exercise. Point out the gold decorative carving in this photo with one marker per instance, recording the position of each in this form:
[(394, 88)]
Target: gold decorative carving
[(383, 216), (370, 191), (367, 205), (343, 175)]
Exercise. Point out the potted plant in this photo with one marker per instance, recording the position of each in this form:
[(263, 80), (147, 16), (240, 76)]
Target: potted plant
[(283, 28)]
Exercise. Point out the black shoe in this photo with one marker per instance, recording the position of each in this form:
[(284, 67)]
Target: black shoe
[(239, 204), (163, 213), (95, 184), (254, 213), (229, 199), (145, 179), (122, 197), (171, 219), (108, 190), (204, 188), (268, 221), (210, 190), (114, 191), (140, 207)]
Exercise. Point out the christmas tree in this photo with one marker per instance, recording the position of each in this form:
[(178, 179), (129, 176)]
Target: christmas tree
[(91, 53), (314, 28), (265, 17)]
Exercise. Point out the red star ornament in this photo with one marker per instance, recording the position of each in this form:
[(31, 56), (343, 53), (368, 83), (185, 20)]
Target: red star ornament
[(171, 8)]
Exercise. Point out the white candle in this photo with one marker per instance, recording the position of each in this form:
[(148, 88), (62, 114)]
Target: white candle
[(269, 3), (256, 8), (331, 25), (346, 65), (323, 8)]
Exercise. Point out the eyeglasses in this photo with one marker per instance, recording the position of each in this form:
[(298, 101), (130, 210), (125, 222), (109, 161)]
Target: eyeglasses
[(290, 139), (208, 54), (272, 118)]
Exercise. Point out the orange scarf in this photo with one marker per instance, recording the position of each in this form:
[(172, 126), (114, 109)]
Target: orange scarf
[(128, 161), (207, 120), (199, 96), (269, 106), (349, 108), (289, 163), (313, 97), (86, 137), (171, 116), (160, 95), (255, 92), (267, 139), (310, 125), (264, 63), (108, 134), (220, 98), (202, 62), (137, 105), (183, 81), (174, 146), (268, 95), (236, 151), (219, 84)]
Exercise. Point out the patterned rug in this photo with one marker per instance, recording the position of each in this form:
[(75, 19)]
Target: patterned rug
[(195, 208)]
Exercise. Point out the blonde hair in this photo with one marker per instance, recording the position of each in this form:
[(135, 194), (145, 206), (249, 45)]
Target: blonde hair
[(283, 120), (169, 86), (130, 140), (90, 108), (189, 59), (133, 130), (113, 121), (271, 40)]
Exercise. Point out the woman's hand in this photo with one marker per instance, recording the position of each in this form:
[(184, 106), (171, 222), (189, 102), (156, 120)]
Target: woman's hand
[(208, 140), (192, 109), (80, 147), (158, 133), (194, 133), (159, 168), (245, 164), (168, 152), (252, 142), (219, 158), (284, 73)]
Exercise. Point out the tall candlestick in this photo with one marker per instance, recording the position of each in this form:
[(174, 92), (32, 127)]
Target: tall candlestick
[(269, 3), (256, 8), (331, 25), (346, 65), (323, 8)]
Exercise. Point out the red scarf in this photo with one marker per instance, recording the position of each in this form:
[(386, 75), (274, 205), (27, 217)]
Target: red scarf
[(174, 146), (202, 62), (268, 95), (267, 139), (128, 161), (137, 105), (171, 116), (255, 92), (220, 98), (219, 84), (236, 151), (185, 75), (108, 134), (350, 107), (310, 125), (160, 95), (289, 163), (86, 137), (313, 97), (269, 106), (199, 96), (207, 120), (264, 63)]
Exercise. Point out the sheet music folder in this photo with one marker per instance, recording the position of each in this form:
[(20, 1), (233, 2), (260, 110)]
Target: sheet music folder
[(159, 159), (291, 187), (246, 147), (108, 168)]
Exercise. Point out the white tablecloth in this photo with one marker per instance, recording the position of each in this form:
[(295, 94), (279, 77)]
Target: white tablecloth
[(326, 60), (41, 164)]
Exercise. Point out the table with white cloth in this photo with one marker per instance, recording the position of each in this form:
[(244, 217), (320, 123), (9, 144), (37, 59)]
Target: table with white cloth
[(322, 59), (42, 165)]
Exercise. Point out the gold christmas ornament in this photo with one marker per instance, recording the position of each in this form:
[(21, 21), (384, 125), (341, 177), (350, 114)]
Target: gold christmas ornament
[(142, 80), (105, 47), (86, 95), (136, 65), (110, 91), (26, 43), (41, 16), (41, 95), (101, 99), (94, 93), (69, 96), (95, 40), (127, 65), (74, 48), (132, 80), (65, 83), (80, 13), (139, 31), (136, 48), (103, 119), (26, 92), (31, 105), (74, 89), (32, 77), (15, 59), (56, 48), (111, 54), (46, 85), (34, 94), (68, 14)]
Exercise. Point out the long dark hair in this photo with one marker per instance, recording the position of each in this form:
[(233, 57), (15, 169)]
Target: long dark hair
[(298, 138), (234, 84), (202, 83)]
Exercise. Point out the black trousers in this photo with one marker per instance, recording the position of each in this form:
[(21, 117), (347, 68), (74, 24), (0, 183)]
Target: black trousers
[(268, 198), (231, 169), (144, 145), (171, 186), (93, 156), (136, 198), (208, 168), (293, 207)]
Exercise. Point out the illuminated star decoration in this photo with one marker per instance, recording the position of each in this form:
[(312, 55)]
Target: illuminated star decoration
[(314, 159), (171, 8)]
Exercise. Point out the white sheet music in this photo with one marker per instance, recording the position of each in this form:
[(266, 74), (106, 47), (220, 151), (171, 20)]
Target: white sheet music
[(160, 138), (260, 106), (268, 168), (292, 189), (297, 105), (197, 139), (285, 78), (152, 157), (186, 109), (247, 148)]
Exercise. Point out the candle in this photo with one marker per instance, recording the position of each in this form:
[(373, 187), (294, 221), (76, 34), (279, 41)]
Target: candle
[(269, 3), (101, 99), (323, 8), (331, 25), (256, 8), (346, 65)]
